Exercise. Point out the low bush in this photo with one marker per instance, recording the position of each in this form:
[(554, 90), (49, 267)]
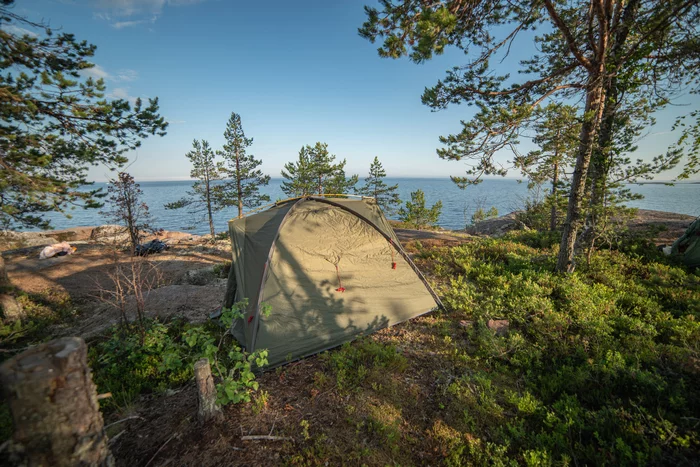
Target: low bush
[(130, 362), (598, 367)]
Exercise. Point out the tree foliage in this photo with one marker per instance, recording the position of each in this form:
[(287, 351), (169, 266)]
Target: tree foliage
[(556, 134), (386, 196), (56, 123), (585, 49), (316, 172), (206, 197), (126, 207), (243, 188), (415, 213)]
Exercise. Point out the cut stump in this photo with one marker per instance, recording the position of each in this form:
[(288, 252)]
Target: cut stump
[(207, 408), (54, 406)]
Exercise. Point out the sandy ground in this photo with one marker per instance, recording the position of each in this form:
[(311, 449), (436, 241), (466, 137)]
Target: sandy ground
[(84, 276)]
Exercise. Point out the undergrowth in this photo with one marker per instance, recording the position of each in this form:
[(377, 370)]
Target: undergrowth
[(601, 367), (131, 362)]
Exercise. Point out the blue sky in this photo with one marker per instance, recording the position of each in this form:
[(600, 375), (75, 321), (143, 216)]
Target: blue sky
[(297, 72)]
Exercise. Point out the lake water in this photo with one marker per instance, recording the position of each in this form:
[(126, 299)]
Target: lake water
[(458, 205)]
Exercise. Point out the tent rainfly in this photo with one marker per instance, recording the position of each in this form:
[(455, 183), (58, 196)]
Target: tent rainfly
[(331, 269), (688, 245)]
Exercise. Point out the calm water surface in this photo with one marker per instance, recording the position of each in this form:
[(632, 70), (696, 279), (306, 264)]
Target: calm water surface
[(458, 205)]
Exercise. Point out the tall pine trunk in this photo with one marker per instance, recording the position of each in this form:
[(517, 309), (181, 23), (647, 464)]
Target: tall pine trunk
[(239, 190), (207, 182), (595, 102), (601, 159)]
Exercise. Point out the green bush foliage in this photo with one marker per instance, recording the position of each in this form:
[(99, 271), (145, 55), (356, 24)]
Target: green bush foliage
[(482, 214), (598, 367), (129, 363)]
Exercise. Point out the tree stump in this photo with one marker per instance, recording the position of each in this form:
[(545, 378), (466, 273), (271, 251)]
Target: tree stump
[(11, 310), (54, 406), (207, 409)]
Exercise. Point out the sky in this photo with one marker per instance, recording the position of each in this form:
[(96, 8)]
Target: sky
[(296, 71)]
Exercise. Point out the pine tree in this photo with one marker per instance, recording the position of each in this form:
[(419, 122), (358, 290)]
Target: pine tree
[(205, 197), (386, 196), (298, 175), (417, 215), (127, 207), (556, 133), (243, 188), (588, 52), (56, 124), (316, 172)]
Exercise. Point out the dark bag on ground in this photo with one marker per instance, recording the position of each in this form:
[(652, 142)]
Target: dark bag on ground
[(154, 246)]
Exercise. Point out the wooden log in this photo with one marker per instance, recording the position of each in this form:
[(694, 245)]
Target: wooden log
[(207, 408), (54, 406)]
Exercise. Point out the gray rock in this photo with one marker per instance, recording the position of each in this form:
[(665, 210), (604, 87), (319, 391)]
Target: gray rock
[(499, 326), (202, 276), (497, 227)]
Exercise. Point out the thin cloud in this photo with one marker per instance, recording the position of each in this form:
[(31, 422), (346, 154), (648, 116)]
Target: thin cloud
[(17, 31), (122, 14), (96, 72), (128, 24), (126, 75), (122, 93)]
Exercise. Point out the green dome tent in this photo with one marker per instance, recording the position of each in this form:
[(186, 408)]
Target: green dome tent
[(688, 245), (331, 269)]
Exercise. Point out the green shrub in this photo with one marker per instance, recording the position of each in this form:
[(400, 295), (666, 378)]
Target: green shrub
[(129, 363), (599, 366), (481, 215)]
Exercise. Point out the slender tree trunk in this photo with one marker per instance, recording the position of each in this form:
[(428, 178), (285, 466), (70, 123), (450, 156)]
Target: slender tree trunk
[(238, 185), (555, 197), (211, 218), (595, 102), (54, 406), (133, 234)]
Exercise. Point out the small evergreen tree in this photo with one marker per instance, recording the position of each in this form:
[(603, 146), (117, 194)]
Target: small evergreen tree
[(316, 172), (386, 196), (557, 135), (127, 207), (243, 188), (205, 197), (298, 175), (417, 215)]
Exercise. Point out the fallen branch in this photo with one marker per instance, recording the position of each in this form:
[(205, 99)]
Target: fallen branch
[(124, 419), (160, 449), (266, 438), (116, 437)]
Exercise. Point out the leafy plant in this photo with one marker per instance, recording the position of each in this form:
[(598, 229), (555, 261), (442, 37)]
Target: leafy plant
[(127, 365)]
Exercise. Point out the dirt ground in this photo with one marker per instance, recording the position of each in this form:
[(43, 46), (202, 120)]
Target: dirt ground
[(84, 276)]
